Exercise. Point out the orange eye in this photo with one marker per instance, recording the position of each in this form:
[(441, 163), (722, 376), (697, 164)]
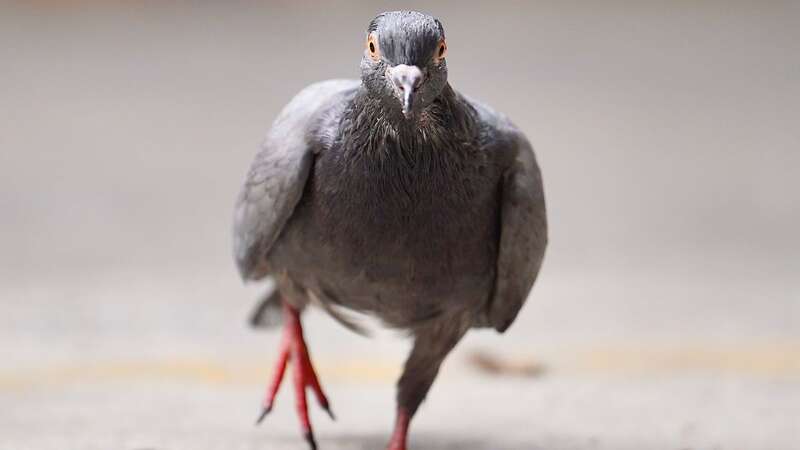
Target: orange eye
[(372, 47), (441, 52)]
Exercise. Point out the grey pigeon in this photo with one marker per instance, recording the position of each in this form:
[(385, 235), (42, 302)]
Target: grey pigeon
[(394, 196)]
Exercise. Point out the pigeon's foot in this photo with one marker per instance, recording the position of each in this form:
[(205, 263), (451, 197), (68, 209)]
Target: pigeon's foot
[(400, 434), (293, 347)]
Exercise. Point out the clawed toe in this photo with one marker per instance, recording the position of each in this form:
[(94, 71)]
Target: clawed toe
[(263, 414), (293, 347)]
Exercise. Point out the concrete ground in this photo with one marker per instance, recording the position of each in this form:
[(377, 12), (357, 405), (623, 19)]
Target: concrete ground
[(667, 316), (167, 363)]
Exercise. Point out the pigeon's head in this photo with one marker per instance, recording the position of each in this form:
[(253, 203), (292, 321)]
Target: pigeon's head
[(404, 61)]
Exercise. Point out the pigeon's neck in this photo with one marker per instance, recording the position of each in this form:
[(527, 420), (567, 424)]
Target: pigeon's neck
[(446, 118)]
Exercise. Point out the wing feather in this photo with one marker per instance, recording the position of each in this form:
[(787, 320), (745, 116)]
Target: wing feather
[(523, 237), (523, 218), (277, 178)]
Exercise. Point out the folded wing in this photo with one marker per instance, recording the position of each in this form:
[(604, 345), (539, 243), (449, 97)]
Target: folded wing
[(278, 176)]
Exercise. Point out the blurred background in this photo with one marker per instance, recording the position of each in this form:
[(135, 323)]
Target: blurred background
[(667, 315)]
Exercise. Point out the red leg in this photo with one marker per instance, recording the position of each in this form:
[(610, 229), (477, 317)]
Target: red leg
[(313, 382), (277, 377), (294, 347), (398, 441)]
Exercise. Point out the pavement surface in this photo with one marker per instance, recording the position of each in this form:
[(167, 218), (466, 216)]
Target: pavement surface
[(667, 316), (171, 365)]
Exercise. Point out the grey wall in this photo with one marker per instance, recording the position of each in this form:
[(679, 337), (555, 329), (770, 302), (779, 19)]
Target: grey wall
[(667, 132)]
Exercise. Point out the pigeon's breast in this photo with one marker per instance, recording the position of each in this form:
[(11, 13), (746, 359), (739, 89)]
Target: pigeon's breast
[(405, 236)]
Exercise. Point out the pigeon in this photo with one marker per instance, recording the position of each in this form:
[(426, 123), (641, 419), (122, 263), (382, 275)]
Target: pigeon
[(393, 196)]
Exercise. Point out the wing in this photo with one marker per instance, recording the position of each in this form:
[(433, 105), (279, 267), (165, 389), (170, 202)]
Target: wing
[(278, 176), (523, 221)]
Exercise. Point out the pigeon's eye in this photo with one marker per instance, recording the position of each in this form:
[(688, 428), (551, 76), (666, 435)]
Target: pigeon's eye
[(441, 52), (372, 47)]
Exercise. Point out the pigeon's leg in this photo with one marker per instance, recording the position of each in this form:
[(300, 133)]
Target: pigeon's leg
[(400, 435), (277, 377), (293, 347), (431, 346)]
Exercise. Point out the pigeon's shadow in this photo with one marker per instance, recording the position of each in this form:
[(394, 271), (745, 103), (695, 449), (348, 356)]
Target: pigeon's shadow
[(426, 441)]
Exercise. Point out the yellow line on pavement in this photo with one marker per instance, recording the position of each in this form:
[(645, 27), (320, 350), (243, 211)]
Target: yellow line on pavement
[(774, 360), (777, 360), (207, 372)]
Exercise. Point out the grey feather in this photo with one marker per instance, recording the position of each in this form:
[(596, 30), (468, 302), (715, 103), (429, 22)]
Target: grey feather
[(523, 233), (268, 310), (277, 177)]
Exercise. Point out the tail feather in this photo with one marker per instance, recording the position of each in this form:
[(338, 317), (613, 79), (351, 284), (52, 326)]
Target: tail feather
[(349, 322), (268, 312)]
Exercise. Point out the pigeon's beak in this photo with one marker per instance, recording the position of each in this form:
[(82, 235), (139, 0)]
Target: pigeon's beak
[(406, 80)]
